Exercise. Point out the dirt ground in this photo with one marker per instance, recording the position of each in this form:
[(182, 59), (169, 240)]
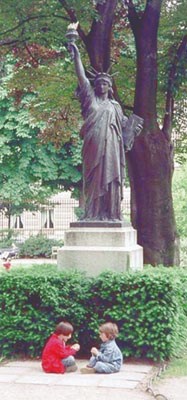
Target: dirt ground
[(159, 387)]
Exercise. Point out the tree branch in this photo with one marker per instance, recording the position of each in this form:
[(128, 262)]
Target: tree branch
[(23, 22), (9, 42), (70, 11)]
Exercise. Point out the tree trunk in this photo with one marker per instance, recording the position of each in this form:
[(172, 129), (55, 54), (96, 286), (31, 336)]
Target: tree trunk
[(151, 160), (150, 171), (98, 41)]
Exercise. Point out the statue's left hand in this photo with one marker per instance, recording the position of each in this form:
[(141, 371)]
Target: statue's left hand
[(138, 129)]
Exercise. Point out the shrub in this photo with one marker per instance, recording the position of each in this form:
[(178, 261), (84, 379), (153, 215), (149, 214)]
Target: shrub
[(183, 251), (7, 238), (33, 301), (150, 308), (38, 246)]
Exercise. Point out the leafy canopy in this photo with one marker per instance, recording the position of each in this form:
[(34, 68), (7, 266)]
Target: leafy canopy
[(31, 169)]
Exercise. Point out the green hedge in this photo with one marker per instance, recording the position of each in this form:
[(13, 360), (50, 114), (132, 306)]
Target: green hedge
[(150, 308)]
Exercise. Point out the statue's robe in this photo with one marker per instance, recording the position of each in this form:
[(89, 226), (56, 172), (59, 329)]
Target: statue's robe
[(103, 155)]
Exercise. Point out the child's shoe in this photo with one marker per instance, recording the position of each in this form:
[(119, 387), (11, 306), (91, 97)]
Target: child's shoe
[(71, 368), (87, 370)]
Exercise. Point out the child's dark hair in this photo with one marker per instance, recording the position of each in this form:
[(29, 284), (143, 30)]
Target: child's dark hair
[(64, 328), (110, 329)]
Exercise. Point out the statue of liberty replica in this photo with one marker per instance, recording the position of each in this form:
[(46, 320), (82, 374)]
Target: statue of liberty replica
[(101, 240), (106, 136)]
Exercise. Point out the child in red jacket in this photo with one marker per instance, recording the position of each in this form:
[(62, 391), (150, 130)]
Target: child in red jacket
[(56, 356)]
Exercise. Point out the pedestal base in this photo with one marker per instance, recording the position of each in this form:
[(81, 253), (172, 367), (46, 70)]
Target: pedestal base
[(96, 249), (100, 224)]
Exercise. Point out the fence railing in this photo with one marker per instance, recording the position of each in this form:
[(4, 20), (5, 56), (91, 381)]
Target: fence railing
[(51, 220)]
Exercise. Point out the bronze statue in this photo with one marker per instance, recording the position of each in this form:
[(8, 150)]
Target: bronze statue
[(104, 136)]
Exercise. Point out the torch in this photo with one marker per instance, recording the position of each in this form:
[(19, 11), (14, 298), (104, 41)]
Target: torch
[(72, 35)]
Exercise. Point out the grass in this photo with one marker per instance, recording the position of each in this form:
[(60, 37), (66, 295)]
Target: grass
[(176, 368)]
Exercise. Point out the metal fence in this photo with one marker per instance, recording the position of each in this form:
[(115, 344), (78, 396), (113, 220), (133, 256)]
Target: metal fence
[(51, 220)]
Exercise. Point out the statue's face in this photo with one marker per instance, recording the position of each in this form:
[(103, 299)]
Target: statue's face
[(101, 87)]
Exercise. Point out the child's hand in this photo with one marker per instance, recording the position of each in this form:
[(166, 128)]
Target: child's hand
[(94, 351), (76, 347)]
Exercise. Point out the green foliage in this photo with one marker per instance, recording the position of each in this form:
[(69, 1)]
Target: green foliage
[(44, 66), (179, 198), (31, 169), (7, 238), (176, 367), (35, 300), (53, 104), (172, 29), (183, 251), (150, 308), (42, 22), (147, 308), (38, 246), (181, 141)]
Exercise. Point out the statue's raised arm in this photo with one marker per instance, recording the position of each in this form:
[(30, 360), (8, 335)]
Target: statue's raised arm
[(72, 35)]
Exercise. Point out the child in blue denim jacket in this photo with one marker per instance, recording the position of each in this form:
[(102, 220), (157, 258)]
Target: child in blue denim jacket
[(108, 359)]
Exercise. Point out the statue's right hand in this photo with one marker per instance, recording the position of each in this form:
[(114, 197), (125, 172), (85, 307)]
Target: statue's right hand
[(73, 50)]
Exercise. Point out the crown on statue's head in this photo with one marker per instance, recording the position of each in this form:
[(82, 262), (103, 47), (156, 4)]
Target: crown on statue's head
[(104, 77)]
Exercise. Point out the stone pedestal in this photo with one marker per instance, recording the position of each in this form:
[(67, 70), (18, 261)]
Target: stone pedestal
[(94, 249)]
